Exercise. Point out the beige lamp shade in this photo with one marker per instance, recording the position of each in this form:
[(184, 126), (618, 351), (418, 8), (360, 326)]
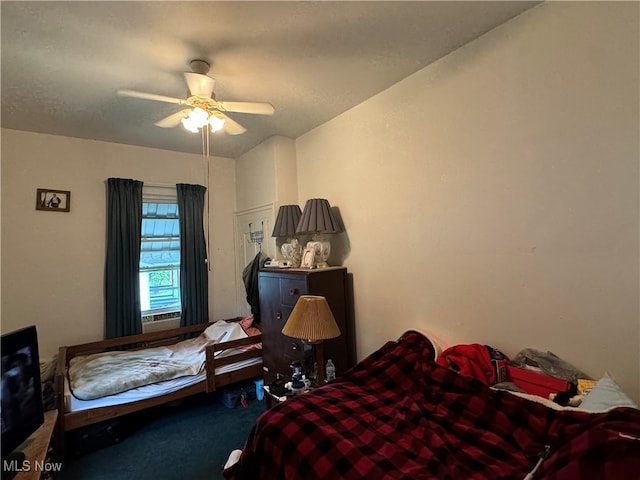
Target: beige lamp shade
[(311, 320)]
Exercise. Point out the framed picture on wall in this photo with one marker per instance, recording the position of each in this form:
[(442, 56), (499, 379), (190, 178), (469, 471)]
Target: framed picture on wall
[(308, 257), (53, 200)]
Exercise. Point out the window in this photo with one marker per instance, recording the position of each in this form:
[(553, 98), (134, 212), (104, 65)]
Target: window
[(160, 255)]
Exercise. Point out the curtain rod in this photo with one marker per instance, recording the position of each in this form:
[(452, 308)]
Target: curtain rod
[(160, 185)]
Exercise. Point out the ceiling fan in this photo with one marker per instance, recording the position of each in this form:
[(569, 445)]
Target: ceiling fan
[(204, 110)]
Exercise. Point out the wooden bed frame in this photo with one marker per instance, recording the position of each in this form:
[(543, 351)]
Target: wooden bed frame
[(71, 420)]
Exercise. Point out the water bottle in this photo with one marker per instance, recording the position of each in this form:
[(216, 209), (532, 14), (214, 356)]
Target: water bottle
[(330, 371)]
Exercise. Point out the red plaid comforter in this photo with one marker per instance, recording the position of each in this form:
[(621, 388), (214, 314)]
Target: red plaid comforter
[(398, 415)]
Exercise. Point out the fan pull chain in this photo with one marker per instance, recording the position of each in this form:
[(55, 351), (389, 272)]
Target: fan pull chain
[(205, 156)]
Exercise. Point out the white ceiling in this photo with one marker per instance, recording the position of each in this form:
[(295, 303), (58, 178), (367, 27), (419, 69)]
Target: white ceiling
[(62, 62)]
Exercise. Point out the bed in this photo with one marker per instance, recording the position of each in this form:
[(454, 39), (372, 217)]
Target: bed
[(224, 358), (399, 415)]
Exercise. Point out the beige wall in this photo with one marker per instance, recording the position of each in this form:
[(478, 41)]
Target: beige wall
[(53, 263), (222, 281), (267, 174), (493, 196)]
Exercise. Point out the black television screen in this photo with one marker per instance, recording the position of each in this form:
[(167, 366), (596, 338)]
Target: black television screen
[(21, 401)]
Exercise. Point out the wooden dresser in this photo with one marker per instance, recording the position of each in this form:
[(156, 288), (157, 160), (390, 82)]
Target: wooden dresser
[(279, 292)]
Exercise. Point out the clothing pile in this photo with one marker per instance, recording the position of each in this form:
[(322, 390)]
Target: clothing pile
[(526, 372)]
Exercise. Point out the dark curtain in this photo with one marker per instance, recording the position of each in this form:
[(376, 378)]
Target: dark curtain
[(194, 279), (122, 278)]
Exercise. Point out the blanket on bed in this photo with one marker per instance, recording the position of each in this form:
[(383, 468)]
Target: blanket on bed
[(101, 374), (399, 415)]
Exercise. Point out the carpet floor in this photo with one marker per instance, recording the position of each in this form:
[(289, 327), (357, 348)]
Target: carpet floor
[(191, 440)]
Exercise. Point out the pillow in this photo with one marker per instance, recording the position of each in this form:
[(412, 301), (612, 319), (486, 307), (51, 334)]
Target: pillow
[(604, 395), (246, 322), (222, 331)]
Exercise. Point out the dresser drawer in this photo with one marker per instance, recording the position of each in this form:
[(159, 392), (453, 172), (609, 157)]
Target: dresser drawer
[(291, 289), (293, 348)]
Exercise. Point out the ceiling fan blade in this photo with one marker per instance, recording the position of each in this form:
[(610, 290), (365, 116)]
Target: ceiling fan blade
[(174, 119), (150, 96), (260, 108), (199, 84), (231, 127)]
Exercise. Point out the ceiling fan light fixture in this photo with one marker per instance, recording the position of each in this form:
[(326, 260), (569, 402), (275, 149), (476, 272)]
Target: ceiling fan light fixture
[(203, 109), (216, 123), (196, 119)]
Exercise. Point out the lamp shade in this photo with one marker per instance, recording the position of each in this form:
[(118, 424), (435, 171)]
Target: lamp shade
[(317, 217), (311, 320), (287, 221)]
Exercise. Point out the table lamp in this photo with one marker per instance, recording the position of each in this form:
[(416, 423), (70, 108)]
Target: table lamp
[(317, 219), (312, 321), (285, 226)]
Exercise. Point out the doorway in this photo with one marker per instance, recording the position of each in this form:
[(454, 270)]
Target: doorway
[(253, 229)]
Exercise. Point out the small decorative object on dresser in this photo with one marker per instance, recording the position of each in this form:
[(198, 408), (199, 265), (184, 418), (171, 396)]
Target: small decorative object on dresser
[(308, 258), (53, 200), (292, 251)]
